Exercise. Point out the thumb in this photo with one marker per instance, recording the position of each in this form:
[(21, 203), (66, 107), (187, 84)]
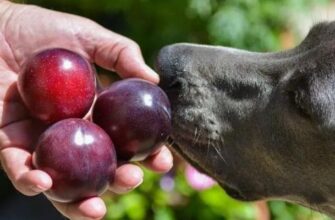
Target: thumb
[(122, 55)]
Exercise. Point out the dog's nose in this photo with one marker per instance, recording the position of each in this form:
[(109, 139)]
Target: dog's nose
[(166, 67)]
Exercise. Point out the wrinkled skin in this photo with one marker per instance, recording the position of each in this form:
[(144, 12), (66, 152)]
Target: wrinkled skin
[(25, 30), (261, 124)]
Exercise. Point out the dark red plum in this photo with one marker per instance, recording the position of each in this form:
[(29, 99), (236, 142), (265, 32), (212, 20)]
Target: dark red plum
[(137, 116), (57, 84), (80, 158)]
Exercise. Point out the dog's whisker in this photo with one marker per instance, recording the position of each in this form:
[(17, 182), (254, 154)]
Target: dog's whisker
[(221, 142), (170, 142), (197, 136), (207, 153), (219, 153)]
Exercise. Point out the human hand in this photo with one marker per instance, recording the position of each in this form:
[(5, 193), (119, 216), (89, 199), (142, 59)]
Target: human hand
[(25, 30)]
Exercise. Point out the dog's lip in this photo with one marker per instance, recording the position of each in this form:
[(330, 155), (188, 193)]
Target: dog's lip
[(171, 143), (182, 134), (177, 147)]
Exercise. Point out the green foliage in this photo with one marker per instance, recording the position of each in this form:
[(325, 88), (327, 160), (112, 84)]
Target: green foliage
[(249, 24), (150, 202)]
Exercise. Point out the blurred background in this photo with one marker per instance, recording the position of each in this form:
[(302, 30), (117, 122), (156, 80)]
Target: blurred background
[(258, 25)]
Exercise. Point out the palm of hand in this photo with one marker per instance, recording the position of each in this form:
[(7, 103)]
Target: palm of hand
[(25, 34), (25, 30)]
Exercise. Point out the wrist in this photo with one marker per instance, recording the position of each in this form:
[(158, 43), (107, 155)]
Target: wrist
[(4, 6), (5, 11)]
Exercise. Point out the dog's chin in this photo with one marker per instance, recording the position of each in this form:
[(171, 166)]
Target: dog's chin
[(183, 148)]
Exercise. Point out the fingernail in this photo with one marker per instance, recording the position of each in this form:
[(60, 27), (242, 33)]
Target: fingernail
[(153, 74), (98, 208), (39, 188), (167, 159), (136, 175), (139, 183), (45, 183), (123, 189)]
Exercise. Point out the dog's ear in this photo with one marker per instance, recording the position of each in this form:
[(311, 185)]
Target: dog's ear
[(312, 93)]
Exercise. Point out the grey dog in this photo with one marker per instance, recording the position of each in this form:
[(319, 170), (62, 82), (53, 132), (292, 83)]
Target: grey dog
[(261, 124)]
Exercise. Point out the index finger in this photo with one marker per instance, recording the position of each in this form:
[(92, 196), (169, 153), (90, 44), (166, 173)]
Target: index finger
[(124, 56), (116, 53)]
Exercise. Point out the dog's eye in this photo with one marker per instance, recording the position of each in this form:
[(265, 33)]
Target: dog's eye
[(298, 95), (297, 100), (237, 90)]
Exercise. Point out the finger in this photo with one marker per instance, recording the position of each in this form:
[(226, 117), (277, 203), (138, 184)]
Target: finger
[(23, 134), (117, 53), (93, 208), (124, 57), (161, 161), (127, 178), (17, 164), (11, 108)]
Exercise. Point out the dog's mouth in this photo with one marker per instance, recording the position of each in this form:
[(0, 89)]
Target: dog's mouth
[(183, 145)]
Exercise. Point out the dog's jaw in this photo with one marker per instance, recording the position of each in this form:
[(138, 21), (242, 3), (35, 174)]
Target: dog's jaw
[(192, 131), (181, 149)]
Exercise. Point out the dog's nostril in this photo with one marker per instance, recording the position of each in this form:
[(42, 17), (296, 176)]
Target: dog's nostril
[(175, 84), (168, 81)]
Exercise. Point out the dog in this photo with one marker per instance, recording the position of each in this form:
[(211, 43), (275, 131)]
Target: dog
[(261, 124)]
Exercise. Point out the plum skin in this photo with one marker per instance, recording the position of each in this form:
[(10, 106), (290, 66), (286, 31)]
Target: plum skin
[(80, 158), (56, 84), (137, 116)]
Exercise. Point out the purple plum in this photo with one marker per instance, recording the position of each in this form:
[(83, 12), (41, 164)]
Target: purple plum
[(80, 158), (137, 116), (56, 84)]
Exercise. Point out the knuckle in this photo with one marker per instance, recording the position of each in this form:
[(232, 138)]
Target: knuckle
[(131, 44)]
